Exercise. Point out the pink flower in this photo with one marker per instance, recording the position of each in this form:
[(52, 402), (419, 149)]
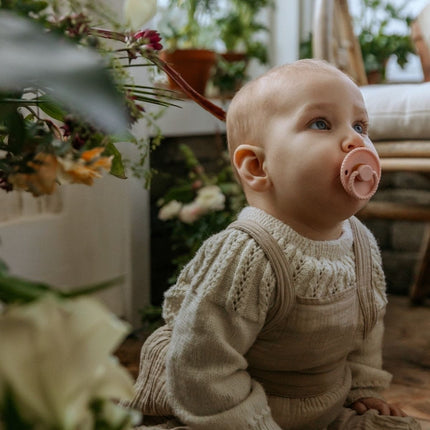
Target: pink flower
[(191, 212), (148, 39)]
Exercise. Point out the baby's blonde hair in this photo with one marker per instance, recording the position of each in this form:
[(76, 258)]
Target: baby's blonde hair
[(257, 101)]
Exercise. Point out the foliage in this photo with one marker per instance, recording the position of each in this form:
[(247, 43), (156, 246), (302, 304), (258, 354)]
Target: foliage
[(239, 28), (229, 75), (14, 289), (376, 40), (188, 24), (199, 206), (65, 97), (151, 317)]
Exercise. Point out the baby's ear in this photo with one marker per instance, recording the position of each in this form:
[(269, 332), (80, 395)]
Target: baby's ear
[(249, 161)]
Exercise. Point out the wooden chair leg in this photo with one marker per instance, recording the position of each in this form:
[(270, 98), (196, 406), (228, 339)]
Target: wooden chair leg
[(421, 287)]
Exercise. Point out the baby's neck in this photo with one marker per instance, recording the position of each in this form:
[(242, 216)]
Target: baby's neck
[(316, 232), (315, 228)]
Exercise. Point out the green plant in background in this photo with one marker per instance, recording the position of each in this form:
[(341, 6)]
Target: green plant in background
[(198, 206), (229, 75), (188, 24), (377, 41), (240, 32), (151, 317), (239, 28)]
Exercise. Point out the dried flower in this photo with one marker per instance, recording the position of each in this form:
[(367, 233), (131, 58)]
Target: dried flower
[(86, 168), (43, 178)]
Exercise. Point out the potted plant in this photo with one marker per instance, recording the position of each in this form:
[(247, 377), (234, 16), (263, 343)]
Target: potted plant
[(239, 29), (189, 34), (377, 41), (239, 26)]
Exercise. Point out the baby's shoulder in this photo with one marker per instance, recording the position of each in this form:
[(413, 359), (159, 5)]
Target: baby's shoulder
[(231, 270)]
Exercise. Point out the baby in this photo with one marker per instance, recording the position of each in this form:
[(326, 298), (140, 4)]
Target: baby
[(276, 323)]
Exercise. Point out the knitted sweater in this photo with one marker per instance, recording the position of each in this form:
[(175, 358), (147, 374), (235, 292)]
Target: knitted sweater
[(219, 305)]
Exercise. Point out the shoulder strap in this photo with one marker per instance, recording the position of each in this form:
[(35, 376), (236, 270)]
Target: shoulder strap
[(285, 296), (363, 269)]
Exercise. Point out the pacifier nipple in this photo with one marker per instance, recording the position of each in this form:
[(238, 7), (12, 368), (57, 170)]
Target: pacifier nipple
[(360, 173)]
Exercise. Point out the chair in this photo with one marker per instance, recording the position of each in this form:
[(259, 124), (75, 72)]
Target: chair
[(420, 33), (399, 117)]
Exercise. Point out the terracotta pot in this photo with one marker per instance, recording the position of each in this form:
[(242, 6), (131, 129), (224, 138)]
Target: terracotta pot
[(194, 65), (234, 56)]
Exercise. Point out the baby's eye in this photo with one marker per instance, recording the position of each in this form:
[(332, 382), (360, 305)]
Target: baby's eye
[(319, 124), (360, 128)]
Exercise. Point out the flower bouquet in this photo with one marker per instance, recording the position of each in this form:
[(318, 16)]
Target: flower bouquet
[(66, 97), (198, 206)]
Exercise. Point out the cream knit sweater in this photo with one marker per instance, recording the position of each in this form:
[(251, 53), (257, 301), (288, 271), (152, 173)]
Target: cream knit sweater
[(219, 305)]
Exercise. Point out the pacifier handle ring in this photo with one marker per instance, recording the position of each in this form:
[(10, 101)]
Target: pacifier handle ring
[(351, 182)]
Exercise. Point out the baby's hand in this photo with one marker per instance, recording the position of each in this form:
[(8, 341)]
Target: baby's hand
[(384, 408)]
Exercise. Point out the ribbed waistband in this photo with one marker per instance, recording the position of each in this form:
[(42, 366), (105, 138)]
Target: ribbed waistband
[(304, 383)]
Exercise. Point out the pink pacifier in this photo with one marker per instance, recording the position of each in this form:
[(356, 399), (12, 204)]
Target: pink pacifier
[(360, 173)]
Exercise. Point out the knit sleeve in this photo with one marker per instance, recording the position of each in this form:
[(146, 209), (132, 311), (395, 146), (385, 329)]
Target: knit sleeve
[(220, 316), (368, 377)]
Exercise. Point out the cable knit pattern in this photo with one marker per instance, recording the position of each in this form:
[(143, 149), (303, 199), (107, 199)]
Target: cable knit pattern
[(210, 274), (217, 311), (319, 268)]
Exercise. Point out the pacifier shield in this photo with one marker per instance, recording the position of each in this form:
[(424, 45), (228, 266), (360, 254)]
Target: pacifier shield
[(360, 173)]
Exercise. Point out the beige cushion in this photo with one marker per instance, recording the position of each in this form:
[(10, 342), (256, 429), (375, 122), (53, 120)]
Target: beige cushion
[(398, 111)]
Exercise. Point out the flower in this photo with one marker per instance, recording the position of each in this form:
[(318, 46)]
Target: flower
[(191, 212), (138, 12), (169, 210), (210, 198), (86, 168), (56, 360), (43, 178), (149, 40)]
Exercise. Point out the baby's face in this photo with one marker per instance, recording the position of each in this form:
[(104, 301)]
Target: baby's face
[(323, 119)]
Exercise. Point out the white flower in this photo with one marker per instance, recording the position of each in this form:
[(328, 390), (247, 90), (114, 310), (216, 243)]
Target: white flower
[(191, 212), (169, 210), (211, 198), (138, 12), (55, 357)]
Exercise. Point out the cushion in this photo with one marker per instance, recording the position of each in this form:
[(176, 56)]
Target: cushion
[(398, 111)]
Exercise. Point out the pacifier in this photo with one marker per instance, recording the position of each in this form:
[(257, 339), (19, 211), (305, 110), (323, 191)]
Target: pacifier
[(360, 173)]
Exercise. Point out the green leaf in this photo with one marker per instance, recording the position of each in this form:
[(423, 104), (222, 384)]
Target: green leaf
[(93, 288), (71, 76), (51, 108), (14, 289), (117, 168)]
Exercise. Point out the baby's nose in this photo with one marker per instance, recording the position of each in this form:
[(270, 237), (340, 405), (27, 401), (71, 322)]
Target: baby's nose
[(352, 141)]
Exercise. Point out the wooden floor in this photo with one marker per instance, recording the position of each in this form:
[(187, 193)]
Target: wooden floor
[(406, 356)]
